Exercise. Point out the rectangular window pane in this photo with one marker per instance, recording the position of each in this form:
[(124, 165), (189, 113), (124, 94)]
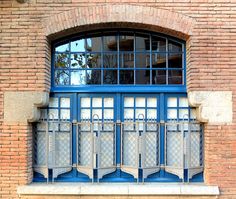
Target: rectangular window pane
[(85, 114), (110, 43), (126, 42), (78, 77), (65, 102), (129, 102), (126, 77), (183, 102), (78, 60), (174, 46), (159, 60), (85, 102), (62, 48), (94, 44), (172, 114), (108, 102), (142, 42), (128, 113), (151, 102), (64, 114), (151, 113), (62, 60), (175, 60), (93, 76), (110, 77), (97, 102), (172, 102), (142, 60), (108, 114), (175, 77), (78, 45), (142, 76), (62, 77), (110, 60), (140, 102), (158, 76), (158, 44), (94, 60), (53, 102), (126, 60)]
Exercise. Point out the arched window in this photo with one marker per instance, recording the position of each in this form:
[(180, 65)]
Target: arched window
[(118, 111)]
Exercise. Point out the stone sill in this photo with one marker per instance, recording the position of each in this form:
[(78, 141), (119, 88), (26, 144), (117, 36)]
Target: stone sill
[(117, 189)]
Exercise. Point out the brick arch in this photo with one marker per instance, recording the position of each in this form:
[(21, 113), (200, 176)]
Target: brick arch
[(122, 15)]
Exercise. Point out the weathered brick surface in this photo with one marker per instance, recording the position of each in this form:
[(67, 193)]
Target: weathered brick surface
[(25, 66)]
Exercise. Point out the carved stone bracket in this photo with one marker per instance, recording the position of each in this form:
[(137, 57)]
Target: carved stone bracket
[(23, 106), (212, 106)]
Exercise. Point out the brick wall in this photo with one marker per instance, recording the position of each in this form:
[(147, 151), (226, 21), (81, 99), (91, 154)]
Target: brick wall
[(25, 66)]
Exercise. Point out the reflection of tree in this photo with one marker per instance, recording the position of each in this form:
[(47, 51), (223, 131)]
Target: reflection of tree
[(62, 75), (62, 60), (78, 61)]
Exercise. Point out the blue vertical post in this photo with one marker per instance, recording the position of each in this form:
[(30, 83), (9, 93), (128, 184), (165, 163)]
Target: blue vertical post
[(74, 114), (117, 117), (162, 132)]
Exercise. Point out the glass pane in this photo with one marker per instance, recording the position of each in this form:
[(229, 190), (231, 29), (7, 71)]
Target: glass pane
[(172, 114), (53, 113), (93, 76), (43, 114), (97, 102), (140, 102), (63, 48), (142, 60), (158, 44), (175, 60), (65, 102), (183, 114), (78, 46), (175, 77), (97, 114), (78, 77), (110, 77), (94, 44), (151, 113), (126, 42), (158, 76), (158, 60), (85, 114), (62, 77), (183, 102), (110, 60), (128, 113), (142, 77), (126, 60), (126, 77), (193, 114), (61, 60), (142, 42), (172, 102), (85, 102), (41, 126), (94, 60), (65, 114), (129, 102), (140, 114), (108, 102), (109, 43), (53, 102), (77, 60), (151, 102), (64, 127), (108, 114), (174, 46)]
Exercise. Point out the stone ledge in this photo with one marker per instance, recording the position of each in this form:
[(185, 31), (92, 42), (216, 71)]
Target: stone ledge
[(117, 189)]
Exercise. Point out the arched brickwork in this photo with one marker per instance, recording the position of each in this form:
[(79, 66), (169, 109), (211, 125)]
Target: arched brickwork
[(83, 18)]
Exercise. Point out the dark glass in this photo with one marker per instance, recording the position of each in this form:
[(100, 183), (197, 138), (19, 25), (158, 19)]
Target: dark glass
[(126, 77), (126, 60), (174, 46), (142, 42), (110, 77), (61, 60), (158, 44), (126, 42), (110, 43), (142, 60), (158, 76), (142, 77), (94, 44), (78, 60), (78, 45), (93, 76), (94, 60), (158, 60), (63, 48), (175, 77), (110, 60), (175, 60), (61, 77)]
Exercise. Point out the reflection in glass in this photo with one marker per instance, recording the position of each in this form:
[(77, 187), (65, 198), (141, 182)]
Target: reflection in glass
[(77, 60), (78, 45), (109, 43), (126, 42), (93, 76), (78, 77), (110, 60), (62, 48), (126, 77), (158, 76), (61, 60), (174, 46), (142, 42), (62, 77), (158, 44), (126, 60), (142, 76), (94, 44), (175, 60), (175, 76), (158, 60), (110, 77), (94, 60)]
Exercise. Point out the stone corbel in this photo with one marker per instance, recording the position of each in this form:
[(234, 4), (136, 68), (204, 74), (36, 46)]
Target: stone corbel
[(23, 106), (212, 106)]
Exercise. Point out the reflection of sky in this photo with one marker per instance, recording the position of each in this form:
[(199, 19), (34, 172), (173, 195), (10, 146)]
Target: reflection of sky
[(78, 45), (79, 77)]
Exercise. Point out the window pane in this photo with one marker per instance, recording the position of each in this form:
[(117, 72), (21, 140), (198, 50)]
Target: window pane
[(97, 114), (53, 102), (93, 76), (110, 77), (78, 77), (126, 77), (158, 60), (183, 114), (151, 102), (129, 102), (175, 60), (78, 60), (142, 42), (94, 44), (61, 60), (174, 46), (172, 114), (126, 42), (142, 60), (62, 48), (172, 102), (175, 77), (85, 113), (108, 114), (109, 43), (97, 102), (85, 102), (183, 102), (108, 102), (151, 113), (65, 114), (142, 76), (158, 44), (62, 77), (110, 60), (140, 102), (126, 60), (140, 114), (158, 76), (128, 113), (94, 60), (65, 102), (78, 46), (53, 114)]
